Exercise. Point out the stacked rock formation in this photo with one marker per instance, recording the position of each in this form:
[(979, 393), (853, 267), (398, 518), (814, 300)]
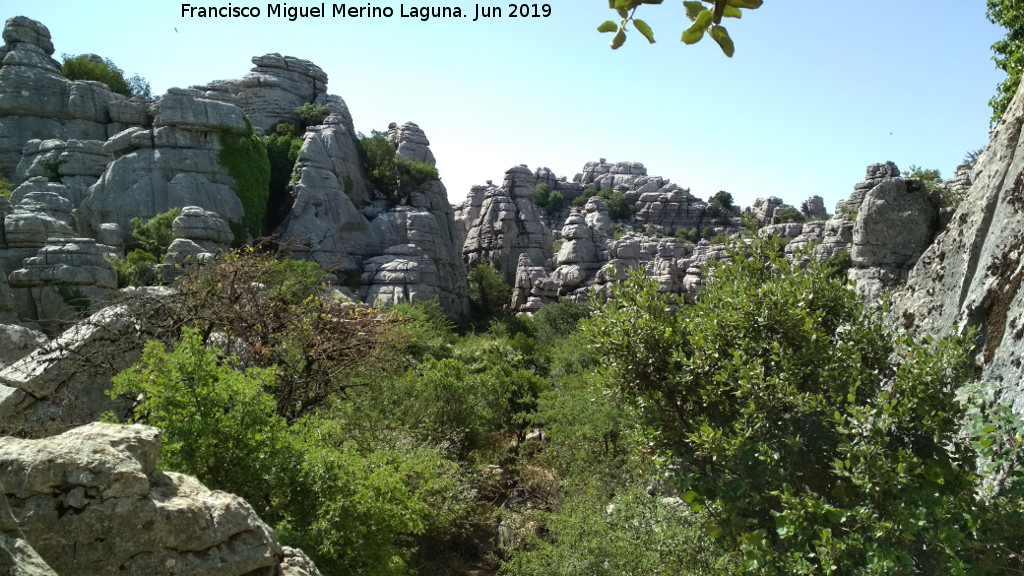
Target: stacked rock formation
[(502, 222), (38, 103), (198, 235), (174, 163)]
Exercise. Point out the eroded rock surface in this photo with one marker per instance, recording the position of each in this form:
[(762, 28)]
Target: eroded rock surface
[(971, 275), (91, 501)]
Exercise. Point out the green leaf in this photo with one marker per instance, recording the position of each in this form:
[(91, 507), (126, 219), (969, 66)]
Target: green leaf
[(619, 40), (721, 35), (644, 29), (623, 12), (694, 33), (693, 9), (748, 4), (732, 12), (608, 26)]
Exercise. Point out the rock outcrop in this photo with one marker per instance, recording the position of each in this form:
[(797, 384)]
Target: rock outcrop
[(502, 222), (63, 383), (971, 275), (38, 103), (17, 557), (91, 501), (175, 163), (198, 235)]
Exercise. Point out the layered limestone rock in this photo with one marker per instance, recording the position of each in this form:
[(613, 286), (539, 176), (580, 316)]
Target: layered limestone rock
[(392, 249), (270, 93), (75, 164), (814, 208), (584, 249), (971, 275), (502, 222), (66, 277), (198, 235), (91, 501), (174, 164), (63, 383), (17, 557), (38, 103)]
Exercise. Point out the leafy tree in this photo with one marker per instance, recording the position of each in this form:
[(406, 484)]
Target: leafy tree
[(818, 441), (555, 202), (488, 292), (928, 176), (720, 207), (91, 67), (541, 195), (1009, 52), (705, 20)]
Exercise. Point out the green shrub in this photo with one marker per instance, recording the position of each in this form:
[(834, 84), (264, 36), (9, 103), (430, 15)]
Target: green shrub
[(154, 235), (245, 158), (720, 207), (310, 114), (5, 187), (823, 443), (555, 202), (82, 67), (394, 177), (52, 169), (356, 507), (787, 215), (283, 148), (541, 195), (618, 207), (137, 268), (488, 292)]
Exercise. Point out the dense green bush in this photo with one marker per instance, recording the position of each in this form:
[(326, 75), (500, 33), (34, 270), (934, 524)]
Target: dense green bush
[(283, 148), (154, 235), (354, 508), (488, 292), (84, 67), (720, 207), (310, 114), (618, 207), (787, 216), (245, 158), (550, 201), (394, 177), (5, 187), (821, 442)]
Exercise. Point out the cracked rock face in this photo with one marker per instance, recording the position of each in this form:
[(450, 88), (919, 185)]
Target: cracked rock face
[(971, 275), (90, 501)]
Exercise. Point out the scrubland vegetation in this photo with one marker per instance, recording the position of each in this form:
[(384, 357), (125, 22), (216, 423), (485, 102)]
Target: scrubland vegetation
[(774, 427)]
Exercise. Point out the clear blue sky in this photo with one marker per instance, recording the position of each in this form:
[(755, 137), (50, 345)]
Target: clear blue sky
[(816, 91)]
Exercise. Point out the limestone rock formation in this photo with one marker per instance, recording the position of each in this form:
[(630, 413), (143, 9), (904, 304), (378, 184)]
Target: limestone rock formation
[(17, 557), (971, 275), (65, 278), (394, 252), (197, 235), (74, 164), (271, 92), (37, 102), (64, 382), (90, 501), (502, 222), (174, 164), (814, 208), (16, 342)]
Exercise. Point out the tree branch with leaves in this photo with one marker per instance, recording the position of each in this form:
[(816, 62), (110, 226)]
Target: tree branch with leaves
[(706, 17)]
